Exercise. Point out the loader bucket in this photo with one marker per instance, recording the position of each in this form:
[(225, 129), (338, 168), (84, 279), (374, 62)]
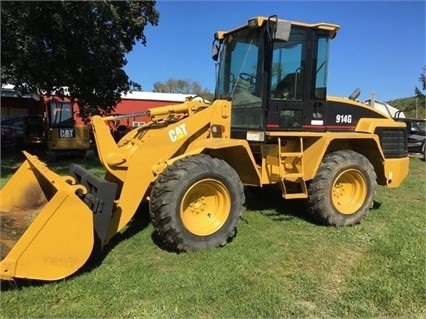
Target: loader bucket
[(46, 229)]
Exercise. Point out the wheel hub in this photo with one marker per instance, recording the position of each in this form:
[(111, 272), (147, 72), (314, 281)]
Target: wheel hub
[(349, 191), (198, 206), (205, 207)]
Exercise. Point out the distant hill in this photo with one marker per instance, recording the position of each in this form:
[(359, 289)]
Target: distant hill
[(408, 105)]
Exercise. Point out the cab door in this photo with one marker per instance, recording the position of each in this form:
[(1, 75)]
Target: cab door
[(287, 87), (297, 99)]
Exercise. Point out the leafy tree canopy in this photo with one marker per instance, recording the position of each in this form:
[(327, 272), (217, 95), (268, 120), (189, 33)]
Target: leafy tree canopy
[(173, 85), (77, 44)]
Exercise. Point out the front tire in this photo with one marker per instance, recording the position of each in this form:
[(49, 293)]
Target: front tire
[(342, 192), (196, 203)]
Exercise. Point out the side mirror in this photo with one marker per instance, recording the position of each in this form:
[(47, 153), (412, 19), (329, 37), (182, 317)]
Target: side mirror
[(413, 128), (215, 51), (282, 31)]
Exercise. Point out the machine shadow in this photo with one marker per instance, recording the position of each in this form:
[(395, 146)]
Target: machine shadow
[(269, 202), (138, 223)]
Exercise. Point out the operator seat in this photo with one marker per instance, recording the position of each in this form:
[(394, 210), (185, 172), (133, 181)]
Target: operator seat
[(290, 88)]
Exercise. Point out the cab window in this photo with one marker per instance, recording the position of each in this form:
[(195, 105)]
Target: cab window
[(288, 66), (61, 114), (320, 71)]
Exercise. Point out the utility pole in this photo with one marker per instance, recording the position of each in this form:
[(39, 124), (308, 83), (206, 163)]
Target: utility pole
[(416, 107)]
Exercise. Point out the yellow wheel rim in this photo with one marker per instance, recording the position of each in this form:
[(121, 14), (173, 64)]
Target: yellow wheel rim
[(349, 191), (205, 207)]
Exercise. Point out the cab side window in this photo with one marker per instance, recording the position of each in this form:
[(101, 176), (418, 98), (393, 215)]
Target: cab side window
[(320, 69), (288, 66)]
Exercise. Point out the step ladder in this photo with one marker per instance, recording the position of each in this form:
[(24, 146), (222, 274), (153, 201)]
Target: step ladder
[(292, 173)]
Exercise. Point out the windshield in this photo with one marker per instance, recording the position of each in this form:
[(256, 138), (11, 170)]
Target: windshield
[(240, 76), (61, 114), (422, 124)]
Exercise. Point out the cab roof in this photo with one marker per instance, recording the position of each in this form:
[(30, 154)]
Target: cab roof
[(259, 21)]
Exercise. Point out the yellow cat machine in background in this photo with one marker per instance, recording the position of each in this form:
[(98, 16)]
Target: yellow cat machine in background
[(64, 135), (271, 123)]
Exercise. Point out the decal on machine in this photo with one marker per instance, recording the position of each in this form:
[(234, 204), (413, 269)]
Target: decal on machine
[(178, 133), (67, 133), (344, 118)]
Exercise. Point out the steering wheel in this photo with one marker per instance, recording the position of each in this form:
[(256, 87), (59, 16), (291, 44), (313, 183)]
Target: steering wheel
[(246, 82), (248, 77)]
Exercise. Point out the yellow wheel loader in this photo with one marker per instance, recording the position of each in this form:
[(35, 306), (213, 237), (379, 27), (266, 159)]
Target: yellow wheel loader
[(271, 123)]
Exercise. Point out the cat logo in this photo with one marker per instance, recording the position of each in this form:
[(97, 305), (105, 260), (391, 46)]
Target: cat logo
[(66, 133), (178, 133)]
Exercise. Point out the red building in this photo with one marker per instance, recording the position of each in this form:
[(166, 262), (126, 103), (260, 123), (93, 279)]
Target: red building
[(46, 118), (141, 101), (12, 105)]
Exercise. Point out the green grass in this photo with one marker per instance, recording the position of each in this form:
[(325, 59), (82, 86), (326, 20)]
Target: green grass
[(280, 265)]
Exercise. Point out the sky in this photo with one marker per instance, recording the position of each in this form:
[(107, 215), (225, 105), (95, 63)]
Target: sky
[(380, 47)]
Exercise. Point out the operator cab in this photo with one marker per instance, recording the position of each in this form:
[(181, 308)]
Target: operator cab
[(275, 74)]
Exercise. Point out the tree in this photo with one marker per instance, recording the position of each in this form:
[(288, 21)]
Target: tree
[(173, 85), (422, 80), (80, 45)]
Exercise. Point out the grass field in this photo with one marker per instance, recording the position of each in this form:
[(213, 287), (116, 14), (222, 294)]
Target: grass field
[(280, 265)]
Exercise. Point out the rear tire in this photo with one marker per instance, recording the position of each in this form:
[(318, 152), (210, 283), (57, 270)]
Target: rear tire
[(342, 192), (196, 203)]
